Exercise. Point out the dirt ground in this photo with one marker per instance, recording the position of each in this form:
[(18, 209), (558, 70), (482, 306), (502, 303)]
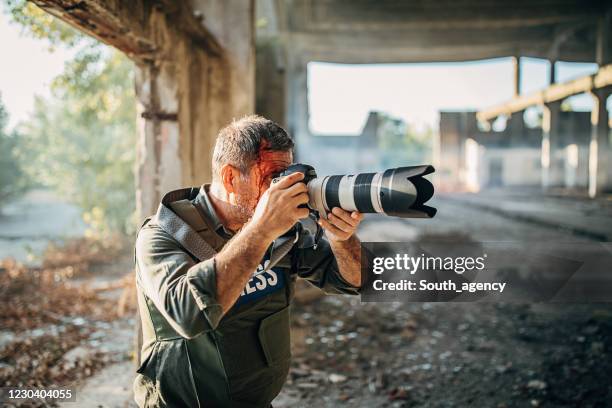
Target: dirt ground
[(67, 321), (449, 355)]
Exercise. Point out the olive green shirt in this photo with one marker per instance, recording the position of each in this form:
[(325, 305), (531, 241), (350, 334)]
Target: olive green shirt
[(192, 354)]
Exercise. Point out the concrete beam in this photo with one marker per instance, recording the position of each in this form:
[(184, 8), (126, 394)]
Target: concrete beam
[(131, 27), (369, 15), (413, 45), (369, 31), (554, 93)]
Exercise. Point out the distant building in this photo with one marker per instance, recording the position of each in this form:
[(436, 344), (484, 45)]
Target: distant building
[(345, 154), (470, 158)]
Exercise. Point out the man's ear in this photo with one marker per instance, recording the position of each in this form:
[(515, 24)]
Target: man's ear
[(229, 178)]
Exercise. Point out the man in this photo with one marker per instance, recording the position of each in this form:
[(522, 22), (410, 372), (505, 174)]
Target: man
[(214, 310)]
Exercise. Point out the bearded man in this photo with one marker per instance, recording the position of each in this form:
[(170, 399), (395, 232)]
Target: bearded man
[(216, 268)]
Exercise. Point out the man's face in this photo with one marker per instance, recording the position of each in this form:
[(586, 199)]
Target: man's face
[(267, 166)]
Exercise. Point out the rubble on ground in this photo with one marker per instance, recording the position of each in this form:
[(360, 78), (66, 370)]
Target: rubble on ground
[(54, 325)]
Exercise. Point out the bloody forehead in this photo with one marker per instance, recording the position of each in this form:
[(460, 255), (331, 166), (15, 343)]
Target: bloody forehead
[(271, 161)]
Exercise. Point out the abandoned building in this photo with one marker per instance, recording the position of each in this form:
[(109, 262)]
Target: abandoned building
[(471, 158), (201, 63)]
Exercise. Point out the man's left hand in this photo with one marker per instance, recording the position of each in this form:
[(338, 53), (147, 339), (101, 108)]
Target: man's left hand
[(340, 225)]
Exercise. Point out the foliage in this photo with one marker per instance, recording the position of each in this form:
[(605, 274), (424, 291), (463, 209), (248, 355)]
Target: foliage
[(81, 140), (42, 25), (12, 180)]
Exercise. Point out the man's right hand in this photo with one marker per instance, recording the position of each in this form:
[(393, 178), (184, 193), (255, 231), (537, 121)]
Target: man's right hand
[(278, 208)]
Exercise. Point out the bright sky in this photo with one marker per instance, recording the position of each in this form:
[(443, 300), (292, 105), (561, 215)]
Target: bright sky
[(340, 96), (26, 69)]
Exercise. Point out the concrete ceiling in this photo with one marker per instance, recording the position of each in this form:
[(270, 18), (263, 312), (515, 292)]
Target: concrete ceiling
[(379, 31)]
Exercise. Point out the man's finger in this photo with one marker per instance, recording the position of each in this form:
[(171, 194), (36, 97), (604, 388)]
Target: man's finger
[(287, 181), (299, 199), (344, 216), (357, 216), (340, 223), (296, 189), (330, 227)]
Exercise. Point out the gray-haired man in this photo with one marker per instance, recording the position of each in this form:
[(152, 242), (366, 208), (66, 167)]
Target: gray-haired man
[(215, 316)]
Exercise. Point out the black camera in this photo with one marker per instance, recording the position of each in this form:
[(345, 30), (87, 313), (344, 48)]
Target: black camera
[(400, 192)]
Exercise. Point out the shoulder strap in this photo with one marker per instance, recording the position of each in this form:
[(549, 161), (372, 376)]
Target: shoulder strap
[(188, 212)]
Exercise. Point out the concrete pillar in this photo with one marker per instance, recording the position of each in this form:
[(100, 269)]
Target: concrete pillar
[(516, 128), (270, 82), (187, 93), (297, 106), (571, 158), (603, 44), (552, 77), (516, 62), (552, 164), (158, 166), (599, 145)]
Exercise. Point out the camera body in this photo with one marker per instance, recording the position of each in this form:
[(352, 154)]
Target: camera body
[(309, 171), (309, 175), (400, 192)]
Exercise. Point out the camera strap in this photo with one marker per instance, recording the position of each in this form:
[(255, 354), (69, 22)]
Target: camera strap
[(281, 247)]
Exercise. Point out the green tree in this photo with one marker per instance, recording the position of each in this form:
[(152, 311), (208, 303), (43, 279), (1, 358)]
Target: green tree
[(12, 180), (39, 24), (81, 140)]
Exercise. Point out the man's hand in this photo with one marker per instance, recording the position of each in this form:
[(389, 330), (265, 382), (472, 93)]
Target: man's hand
[(340, 225), (278, 209)]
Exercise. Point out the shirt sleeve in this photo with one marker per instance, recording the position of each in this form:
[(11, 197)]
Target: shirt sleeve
[(319, 267), (184, 291)]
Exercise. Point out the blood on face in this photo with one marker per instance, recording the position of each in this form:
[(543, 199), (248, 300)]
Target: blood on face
[(269, 162)]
